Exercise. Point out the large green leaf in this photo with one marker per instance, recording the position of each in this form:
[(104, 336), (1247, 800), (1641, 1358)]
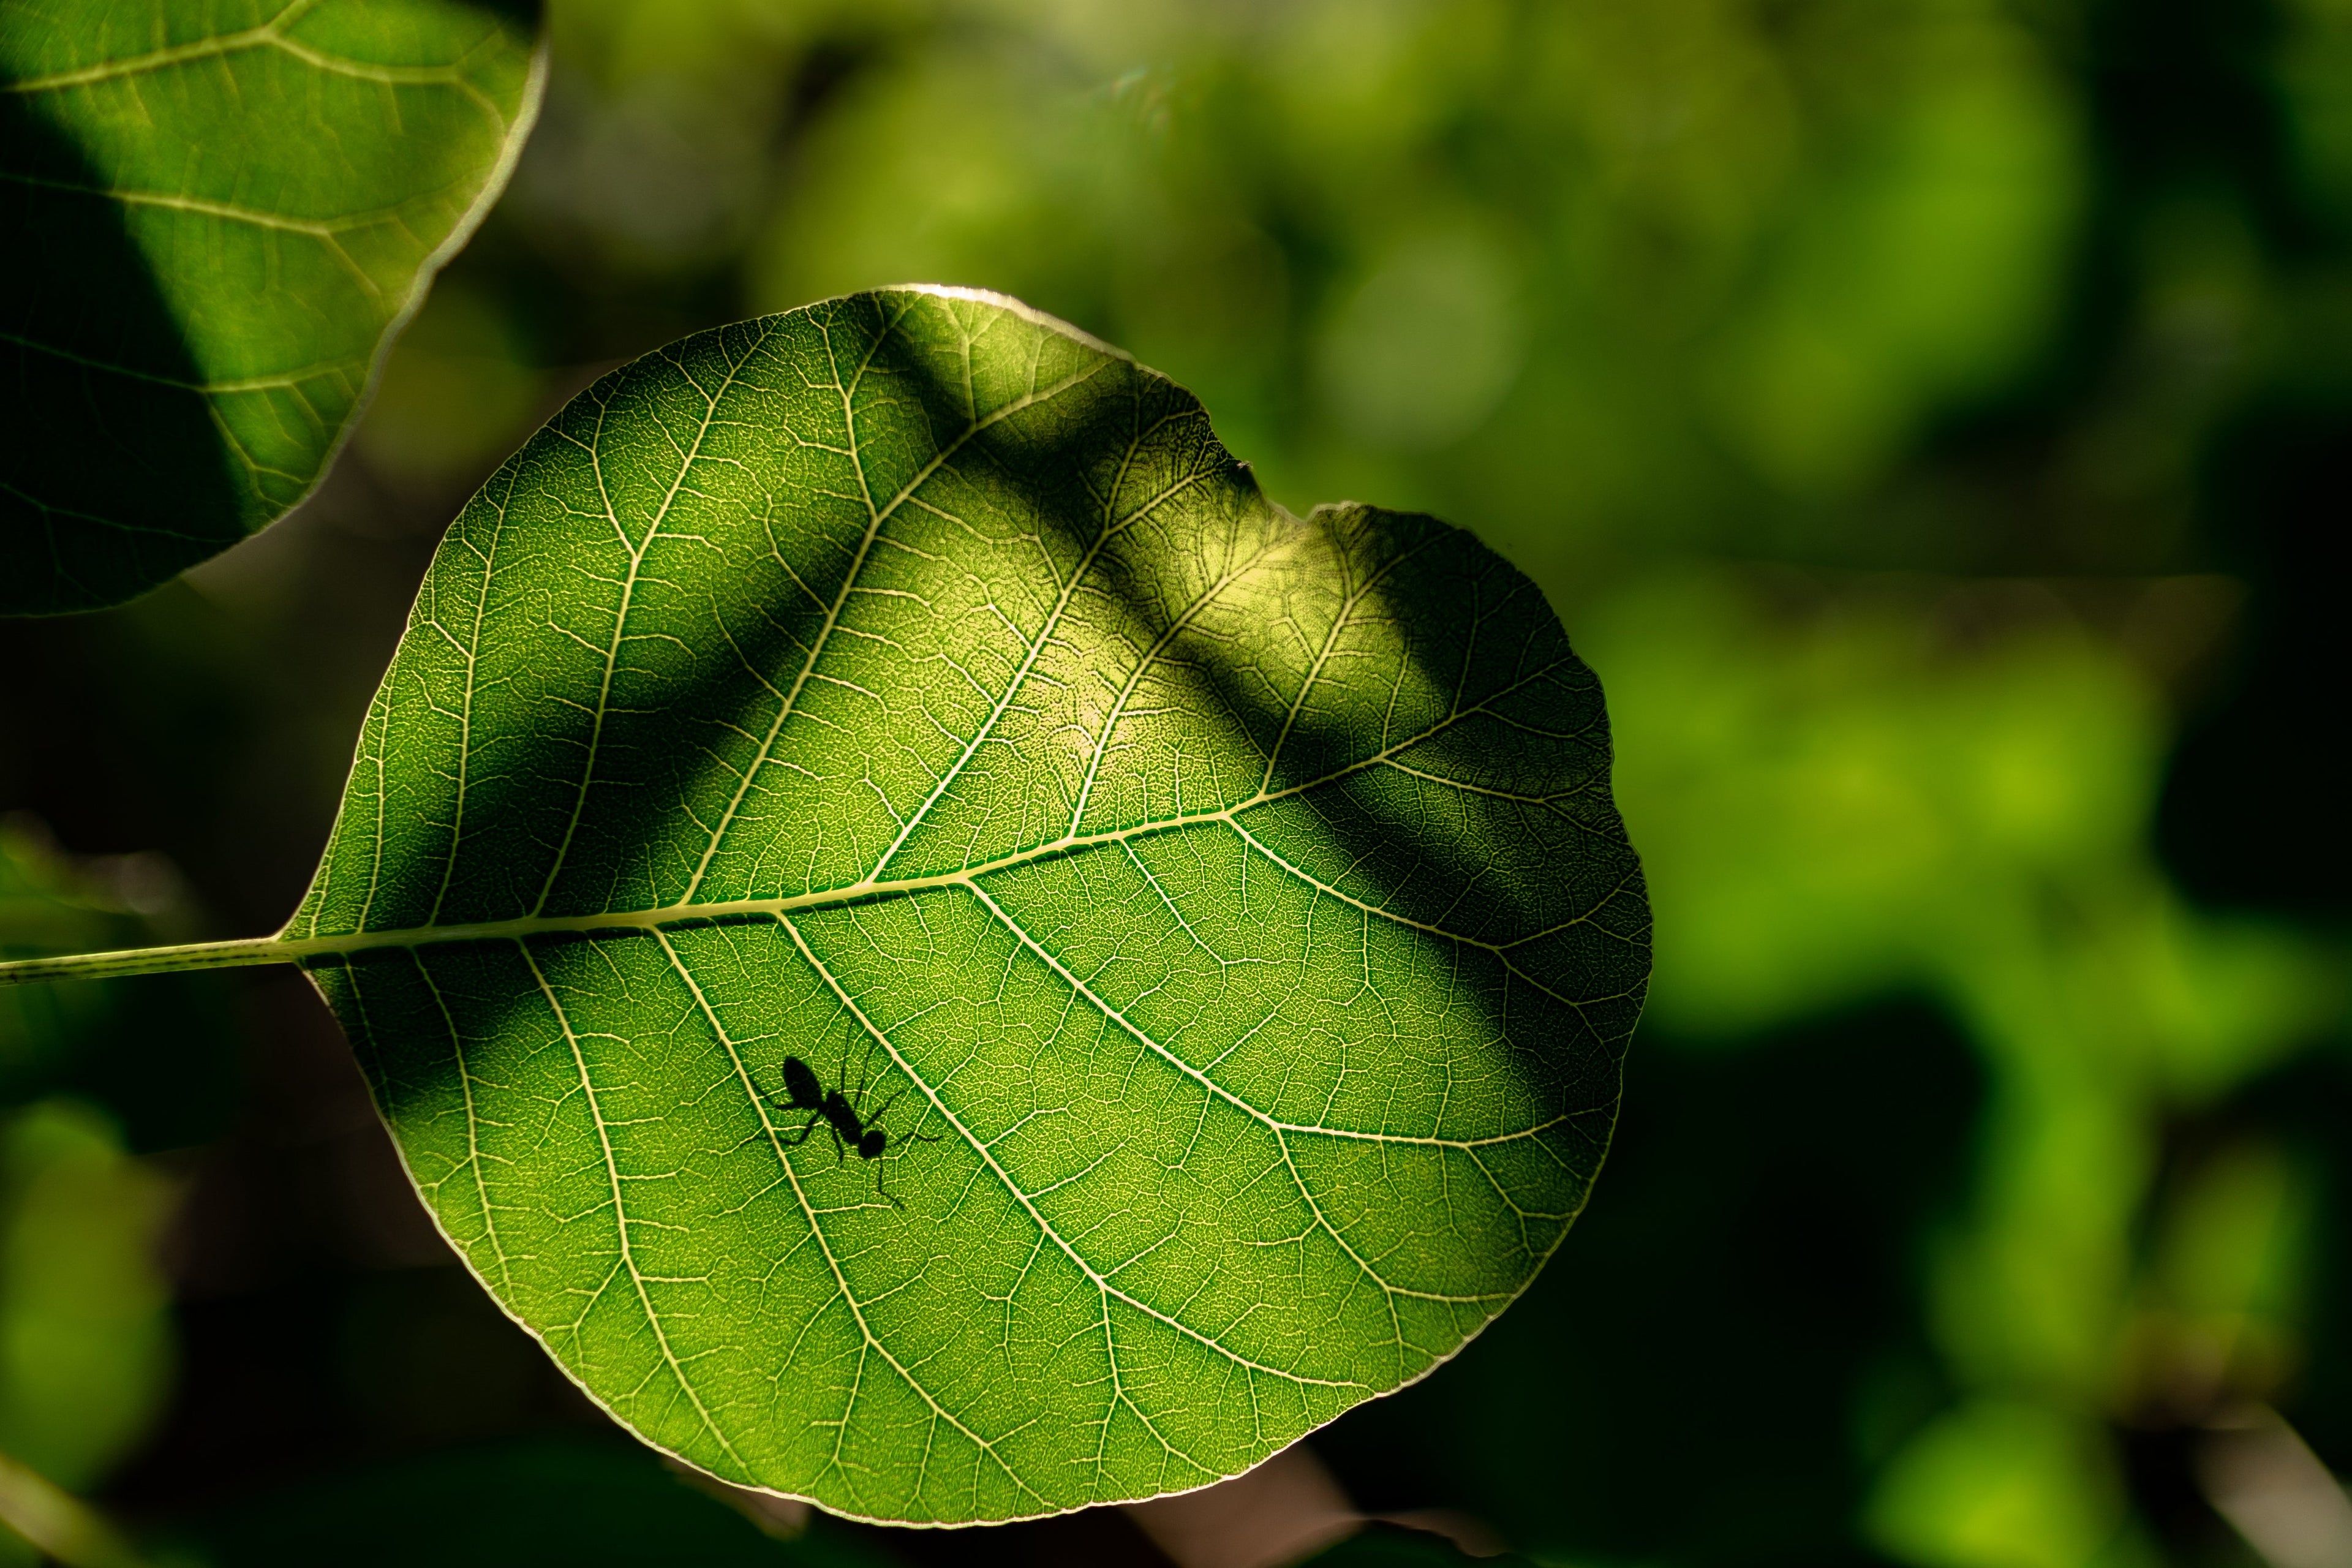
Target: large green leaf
[(1225, 914), (218, 216)]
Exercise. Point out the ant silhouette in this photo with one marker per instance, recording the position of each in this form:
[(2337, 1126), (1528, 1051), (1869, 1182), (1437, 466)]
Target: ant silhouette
[(833, 1111)]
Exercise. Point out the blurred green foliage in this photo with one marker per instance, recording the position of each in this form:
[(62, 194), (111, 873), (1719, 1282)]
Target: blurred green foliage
[(1692, 274), (85, 1348), (565, 1502), (85, 1342), (1931, 419), (157, 1057), (1842, 800)]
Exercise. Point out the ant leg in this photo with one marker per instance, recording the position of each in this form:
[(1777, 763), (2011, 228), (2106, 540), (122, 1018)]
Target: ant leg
[(876, 1121), (844, 1079), (790, 1141), (885, 1193), (866, 1082)]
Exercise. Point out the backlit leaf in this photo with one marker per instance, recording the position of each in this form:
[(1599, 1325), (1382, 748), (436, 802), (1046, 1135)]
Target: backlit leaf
[(1223, 915)]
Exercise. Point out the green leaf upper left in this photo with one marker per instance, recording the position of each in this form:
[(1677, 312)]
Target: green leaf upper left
[(218, 215)]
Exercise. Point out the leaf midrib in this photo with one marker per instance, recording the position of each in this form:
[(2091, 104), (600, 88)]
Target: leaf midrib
[(281, 948), (869, 887)]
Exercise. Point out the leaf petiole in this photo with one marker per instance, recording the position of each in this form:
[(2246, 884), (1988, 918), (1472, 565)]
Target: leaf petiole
[(171, 960)]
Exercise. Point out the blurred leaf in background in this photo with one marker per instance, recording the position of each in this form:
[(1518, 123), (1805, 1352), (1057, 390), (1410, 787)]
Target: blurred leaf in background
[(86, 1347), (1513, 261), (566, 1502), (457, 391), (224, 215), (1951, 797), (159, 1057)]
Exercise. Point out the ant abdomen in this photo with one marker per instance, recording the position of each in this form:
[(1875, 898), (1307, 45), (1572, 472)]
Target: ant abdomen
[(801, 1087)]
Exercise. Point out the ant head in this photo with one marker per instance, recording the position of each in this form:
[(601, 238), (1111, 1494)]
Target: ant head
[(870, 1146)]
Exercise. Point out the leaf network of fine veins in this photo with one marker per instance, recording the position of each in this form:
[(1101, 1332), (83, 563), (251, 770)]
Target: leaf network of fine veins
[(1223, 913)]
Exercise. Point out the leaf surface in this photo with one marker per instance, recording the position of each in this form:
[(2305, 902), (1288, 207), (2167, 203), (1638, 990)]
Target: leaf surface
[(1223, 915), (219, 215)]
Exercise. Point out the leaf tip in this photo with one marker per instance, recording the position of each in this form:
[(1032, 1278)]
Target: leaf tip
[(1020, 308)]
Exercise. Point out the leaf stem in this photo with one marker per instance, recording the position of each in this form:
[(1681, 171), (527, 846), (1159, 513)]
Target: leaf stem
[(152, 960), (57, 1523)]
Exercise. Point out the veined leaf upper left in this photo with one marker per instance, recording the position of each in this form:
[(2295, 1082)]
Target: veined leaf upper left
[(218, 216)]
